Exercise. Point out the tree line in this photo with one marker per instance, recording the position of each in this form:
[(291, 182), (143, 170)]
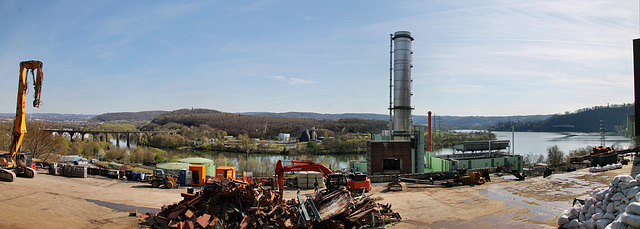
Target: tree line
[(612, 117), (261, 126)]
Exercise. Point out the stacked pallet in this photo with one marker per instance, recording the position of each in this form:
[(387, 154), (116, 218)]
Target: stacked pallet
[(68, 170), (307, 180)]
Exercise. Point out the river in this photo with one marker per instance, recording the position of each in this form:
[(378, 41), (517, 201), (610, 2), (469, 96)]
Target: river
[(537, 142), (338, 161), (524, 143)]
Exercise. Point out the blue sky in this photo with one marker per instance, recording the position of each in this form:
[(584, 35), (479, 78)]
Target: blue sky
[(471, 58)]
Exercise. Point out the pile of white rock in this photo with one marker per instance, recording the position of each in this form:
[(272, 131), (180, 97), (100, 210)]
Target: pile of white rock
[(614, 207), (605, 168)]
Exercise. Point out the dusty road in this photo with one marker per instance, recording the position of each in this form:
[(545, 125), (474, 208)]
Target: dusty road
[(534, 203), (60, 202)]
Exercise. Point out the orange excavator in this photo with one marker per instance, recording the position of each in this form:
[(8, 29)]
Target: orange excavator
[(353, 182), (15, 162)]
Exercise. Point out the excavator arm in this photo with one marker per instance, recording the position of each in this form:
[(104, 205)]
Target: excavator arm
[(297, 166), (20, 126)]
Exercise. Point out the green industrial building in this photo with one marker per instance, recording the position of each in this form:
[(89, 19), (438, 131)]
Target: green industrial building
[(441, 163), (383, 153)]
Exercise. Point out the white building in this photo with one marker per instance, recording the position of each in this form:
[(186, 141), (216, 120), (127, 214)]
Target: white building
[(284, 137)]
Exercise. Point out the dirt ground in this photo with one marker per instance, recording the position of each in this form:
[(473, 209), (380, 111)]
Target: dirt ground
[(60, 202)]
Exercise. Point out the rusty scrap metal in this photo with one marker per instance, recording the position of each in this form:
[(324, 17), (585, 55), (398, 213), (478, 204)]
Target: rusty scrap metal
[(333, 203), (236, 204)]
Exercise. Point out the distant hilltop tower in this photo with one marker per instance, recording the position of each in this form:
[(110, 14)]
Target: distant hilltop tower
[(402, 56)]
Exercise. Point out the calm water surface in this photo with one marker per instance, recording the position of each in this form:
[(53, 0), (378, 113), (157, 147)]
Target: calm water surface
[(523, 143), (538, 142)]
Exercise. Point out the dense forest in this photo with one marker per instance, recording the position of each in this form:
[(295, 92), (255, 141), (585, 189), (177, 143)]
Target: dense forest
[(613, 117), (265, 127)]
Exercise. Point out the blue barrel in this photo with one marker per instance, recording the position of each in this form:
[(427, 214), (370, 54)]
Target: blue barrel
[(182, 177)]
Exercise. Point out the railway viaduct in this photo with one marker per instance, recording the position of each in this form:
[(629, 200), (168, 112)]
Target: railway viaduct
[(97, 135)]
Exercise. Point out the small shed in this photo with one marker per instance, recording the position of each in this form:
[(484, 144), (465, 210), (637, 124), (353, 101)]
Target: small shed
[(210, 165), (226, 172), (197, 177)]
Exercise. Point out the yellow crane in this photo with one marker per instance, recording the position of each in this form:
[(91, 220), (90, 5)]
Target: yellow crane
[(16, 162)]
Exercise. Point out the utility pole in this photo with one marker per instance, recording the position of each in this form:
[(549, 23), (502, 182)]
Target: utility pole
[(246, 161), (602, 140), (513, 132)]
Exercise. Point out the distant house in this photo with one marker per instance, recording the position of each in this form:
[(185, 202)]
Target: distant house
[(284, 137), (196, 143)]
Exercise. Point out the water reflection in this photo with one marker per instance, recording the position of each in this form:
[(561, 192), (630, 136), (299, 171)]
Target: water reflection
[(334, 161), (538, 142)]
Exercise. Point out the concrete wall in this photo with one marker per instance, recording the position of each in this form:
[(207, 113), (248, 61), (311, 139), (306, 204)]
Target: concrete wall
[(434, 164)]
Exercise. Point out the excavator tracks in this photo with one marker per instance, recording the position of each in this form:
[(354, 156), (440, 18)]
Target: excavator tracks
[(10, 176), (28, 172), (7, 175)]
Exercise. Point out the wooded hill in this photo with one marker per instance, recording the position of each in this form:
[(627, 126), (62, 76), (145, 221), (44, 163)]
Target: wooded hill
[(266, 127), (614, 118), (321, 116), (143, 116), (442, 122)]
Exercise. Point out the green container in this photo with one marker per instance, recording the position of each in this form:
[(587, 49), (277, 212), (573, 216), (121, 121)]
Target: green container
[(604, 160)]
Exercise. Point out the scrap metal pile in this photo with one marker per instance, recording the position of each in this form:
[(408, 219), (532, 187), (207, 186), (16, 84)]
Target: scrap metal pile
[(235, 204)]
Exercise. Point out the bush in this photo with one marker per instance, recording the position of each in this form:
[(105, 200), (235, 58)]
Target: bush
[(555, 156)]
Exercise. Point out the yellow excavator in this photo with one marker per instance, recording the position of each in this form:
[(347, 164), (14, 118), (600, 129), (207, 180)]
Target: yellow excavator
[(15, 162)]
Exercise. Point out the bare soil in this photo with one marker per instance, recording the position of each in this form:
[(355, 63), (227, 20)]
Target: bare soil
[(60, 202)]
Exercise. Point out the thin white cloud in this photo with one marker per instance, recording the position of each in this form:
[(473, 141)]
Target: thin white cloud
[(293, 80), (259, 5), (466, 89), (226, 46), (310, 18)]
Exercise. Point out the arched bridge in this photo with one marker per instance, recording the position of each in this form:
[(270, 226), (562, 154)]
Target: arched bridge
[(97, 134)]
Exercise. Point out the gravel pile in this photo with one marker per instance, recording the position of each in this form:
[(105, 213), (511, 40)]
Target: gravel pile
[(615, 206), (605, 168)]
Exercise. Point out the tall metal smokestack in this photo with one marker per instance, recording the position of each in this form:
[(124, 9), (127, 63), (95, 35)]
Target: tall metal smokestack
[(636, 87), (429, 137), (402, 56)]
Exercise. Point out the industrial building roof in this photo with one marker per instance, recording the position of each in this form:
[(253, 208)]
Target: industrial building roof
[(195, 160), (173, 166)]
